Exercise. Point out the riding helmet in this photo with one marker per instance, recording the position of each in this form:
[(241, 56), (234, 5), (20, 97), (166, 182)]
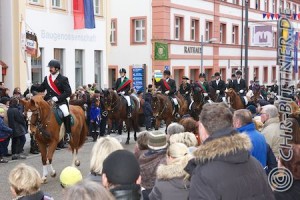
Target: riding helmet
[(122, 70), (217, 74), (54, 63), (167, 72), (238, 72), (202, 75)]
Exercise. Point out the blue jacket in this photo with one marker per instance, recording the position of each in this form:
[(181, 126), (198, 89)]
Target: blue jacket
[(259, 144), (5, 131), (95, 113)]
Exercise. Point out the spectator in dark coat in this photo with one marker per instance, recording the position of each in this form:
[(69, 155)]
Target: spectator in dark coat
[(5, 134), (271, 160), (147, 109), (223, 167), (293, 193), (17, 123), (172, 181)]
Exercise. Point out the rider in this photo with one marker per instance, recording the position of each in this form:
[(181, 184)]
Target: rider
[(168, 87), (123, 87), (185, 88), (58, 90), (239, 84), (202, 84), (219, 85)]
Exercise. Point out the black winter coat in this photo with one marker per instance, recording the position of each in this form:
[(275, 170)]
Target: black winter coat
[(127, 192), (292, 194), (226, 170), (171, 84), (147, 109), (16, 121), (221, 86), (62, 84)]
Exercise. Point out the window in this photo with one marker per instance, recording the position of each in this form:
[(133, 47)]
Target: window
[(274, 6), (97, 7), (223, 33), (288, 5), (59, 55), (56, 4), (139, 26), (208, 31), (97, 61), (265, 74), (36, 68), (113, 34), (194, 30), (236, 2), (274, 39), (177, 28), (273, 73), (235, 34), (34, 1), (257, 4), (294, 8), (78, 68), (281, 6), (266, 4), (138, 30)]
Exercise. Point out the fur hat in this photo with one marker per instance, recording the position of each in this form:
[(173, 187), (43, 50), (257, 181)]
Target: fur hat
[(121, 168), (157, 140)]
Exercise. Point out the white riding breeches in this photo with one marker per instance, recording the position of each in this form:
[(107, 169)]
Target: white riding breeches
[(175, 101), (64, 109), (127, 99), (224, 99)]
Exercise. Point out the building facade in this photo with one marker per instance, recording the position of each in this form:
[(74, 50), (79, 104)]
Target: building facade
[(82, 52), (181, 24)]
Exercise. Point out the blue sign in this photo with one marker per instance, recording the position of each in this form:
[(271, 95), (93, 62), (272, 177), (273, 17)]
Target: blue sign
[(138, 77), (167, 67)]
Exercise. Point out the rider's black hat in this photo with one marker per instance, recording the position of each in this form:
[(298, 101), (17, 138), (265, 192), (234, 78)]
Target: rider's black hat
[(185, 77), (239, 72), (217, 74), (167, 72), (54, 63), (122, 70), (202, 75)]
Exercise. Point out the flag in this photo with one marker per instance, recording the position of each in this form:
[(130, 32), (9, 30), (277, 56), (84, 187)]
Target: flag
[(32, 46), (272, 15), (83, 14), (161, 51), (23, 40), (296, 52), (264, 15)]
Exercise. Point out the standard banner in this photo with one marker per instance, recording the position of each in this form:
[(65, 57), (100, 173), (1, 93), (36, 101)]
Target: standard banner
[(262, 36), (161, 51)]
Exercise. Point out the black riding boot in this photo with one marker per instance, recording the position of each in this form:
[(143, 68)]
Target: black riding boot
[(129, 111), (177, 116), (67, 122)]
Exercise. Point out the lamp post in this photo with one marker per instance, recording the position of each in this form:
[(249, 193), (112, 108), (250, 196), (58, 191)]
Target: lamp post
[(202, 44), (246, 43)]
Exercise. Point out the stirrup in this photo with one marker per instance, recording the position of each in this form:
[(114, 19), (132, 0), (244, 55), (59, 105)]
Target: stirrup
[(129, 115), (177, 116)]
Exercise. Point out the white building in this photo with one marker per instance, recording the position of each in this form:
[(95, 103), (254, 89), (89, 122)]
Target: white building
[(81, 52), (137, 24)]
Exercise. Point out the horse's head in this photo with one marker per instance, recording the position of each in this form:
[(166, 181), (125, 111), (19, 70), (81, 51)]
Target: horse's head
[(156, 104), (198, 95), (109, 97), (230, 93)]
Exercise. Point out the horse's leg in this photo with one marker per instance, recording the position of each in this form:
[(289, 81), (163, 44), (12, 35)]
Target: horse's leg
[(43, 150), (157, 123), (168, 122), (109, 123), (51, 149), (120, 127), (128, 123), (75, 161)]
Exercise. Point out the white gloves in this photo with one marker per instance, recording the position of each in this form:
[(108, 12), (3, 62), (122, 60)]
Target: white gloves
[(218, 91), (28, 84), (186, 92), (55, 99), (28, 96), (205, 94), (122, 93), (167, 92), (241, 91)]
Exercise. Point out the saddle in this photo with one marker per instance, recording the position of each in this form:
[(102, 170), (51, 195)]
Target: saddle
[(131, 101), (174, 105), (59, 116), (244, 100)]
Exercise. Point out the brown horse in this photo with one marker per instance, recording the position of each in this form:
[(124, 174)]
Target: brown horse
[(197, 104), (116, 106), (163, 108), (234, 100), (48, 132)]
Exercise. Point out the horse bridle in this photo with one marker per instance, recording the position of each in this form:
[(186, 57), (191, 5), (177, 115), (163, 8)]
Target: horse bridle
[(164, 108), (115, 102)]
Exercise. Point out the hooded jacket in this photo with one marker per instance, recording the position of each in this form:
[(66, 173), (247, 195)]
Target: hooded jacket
[(224, 169), (171, 182)]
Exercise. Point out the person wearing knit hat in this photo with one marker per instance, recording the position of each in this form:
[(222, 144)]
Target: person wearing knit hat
[(70, 176), (121, 175), (149, 161)]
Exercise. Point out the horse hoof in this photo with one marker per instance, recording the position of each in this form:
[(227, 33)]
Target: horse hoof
[(127, 142), (53, 174), (77, 163), (44, 180)]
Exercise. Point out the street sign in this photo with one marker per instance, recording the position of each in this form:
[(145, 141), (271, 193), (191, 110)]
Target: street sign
[(138, 77), (167, 67)]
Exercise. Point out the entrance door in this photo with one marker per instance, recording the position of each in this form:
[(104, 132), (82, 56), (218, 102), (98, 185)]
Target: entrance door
[(208, 73), (194, 75), (111, 78), (178, 73)]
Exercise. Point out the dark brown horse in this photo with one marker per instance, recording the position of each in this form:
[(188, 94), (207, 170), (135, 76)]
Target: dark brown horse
[(197, 104), (234, 100), (48, 132), (163, 108), (116, 106)]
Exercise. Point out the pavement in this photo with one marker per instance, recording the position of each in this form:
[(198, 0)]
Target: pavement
[(61, 159)]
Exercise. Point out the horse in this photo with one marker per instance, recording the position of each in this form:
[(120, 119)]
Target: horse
[(198, 101), (233, 99), (48, 132), (162, 108), (213, 95), (116, 107)]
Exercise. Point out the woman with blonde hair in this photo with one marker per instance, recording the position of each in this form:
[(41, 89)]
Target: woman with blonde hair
[(101, 149), (187, 138), (88, 190), (25, 183), (172, 181)]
